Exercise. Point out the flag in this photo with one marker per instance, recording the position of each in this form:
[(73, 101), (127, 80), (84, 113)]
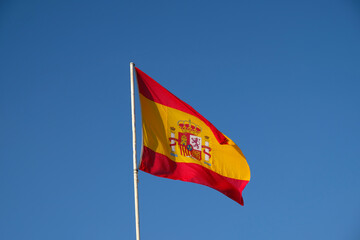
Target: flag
[(180, 144)]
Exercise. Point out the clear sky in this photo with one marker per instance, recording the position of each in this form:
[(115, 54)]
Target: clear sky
[(280, 78)]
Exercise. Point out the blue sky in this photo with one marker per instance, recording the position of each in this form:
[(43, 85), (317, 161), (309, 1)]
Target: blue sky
[(280, 78)]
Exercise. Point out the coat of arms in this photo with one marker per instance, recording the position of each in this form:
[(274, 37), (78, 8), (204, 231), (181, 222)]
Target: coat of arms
[(189, 141)]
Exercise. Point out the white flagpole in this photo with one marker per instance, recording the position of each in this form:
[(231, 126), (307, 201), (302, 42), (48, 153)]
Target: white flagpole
[(137, 222)]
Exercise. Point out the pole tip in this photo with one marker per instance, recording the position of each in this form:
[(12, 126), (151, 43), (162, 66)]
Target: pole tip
[(132, 63)]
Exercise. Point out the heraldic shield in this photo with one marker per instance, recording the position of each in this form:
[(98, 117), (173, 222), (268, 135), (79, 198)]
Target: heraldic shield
[(189, 142)]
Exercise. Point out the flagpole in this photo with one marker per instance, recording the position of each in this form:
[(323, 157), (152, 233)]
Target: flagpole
[(137, 222)]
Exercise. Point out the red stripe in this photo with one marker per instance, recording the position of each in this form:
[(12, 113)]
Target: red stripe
[(161, 166), (152, 90)]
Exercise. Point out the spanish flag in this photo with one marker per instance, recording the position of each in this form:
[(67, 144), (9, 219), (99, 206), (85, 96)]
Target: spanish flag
[(180, 144)]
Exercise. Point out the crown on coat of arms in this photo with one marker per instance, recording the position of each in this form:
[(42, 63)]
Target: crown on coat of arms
[(189, 127)]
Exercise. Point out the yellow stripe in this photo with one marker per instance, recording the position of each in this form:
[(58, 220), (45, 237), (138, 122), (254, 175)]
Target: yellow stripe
[(226, 160)]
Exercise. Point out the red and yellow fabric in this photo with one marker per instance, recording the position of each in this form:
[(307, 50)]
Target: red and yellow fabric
[(180, 144)]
